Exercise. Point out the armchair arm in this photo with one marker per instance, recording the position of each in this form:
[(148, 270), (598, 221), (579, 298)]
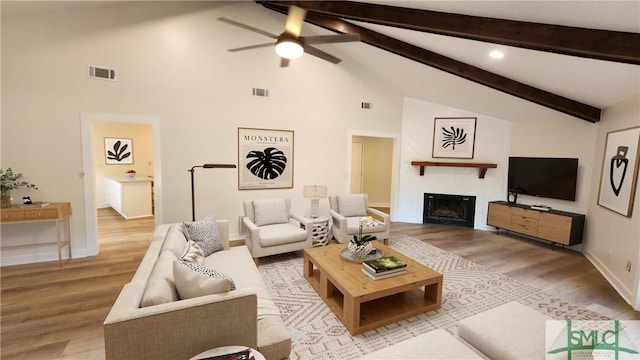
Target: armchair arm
[(338, 220), (385, 217), (254, 233), (303, 221)]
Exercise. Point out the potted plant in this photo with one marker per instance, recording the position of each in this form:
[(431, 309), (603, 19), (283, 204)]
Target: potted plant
[(9, 181), (360, 246)]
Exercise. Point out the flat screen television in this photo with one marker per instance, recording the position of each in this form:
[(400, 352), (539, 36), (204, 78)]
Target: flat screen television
[(553, 178)]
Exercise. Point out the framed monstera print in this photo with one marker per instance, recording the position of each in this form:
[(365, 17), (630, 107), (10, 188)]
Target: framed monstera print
[(265, 159)]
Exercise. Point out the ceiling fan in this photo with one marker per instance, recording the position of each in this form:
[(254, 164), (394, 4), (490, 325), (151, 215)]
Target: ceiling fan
[(290, 45)]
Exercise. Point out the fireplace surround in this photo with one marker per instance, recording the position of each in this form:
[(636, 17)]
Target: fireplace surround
[(449, 209)]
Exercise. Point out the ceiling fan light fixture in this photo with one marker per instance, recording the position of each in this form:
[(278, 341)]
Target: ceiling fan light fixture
[(289, 48)]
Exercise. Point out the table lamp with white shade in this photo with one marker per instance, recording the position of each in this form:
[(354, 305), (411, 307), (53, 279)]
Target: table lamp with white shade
[(315, 193)]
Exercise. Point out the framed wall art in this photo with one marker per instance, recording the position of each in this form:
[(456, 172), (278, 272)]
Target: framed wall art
[(265, 159), (118, 151), (454, 137), (619, 175)]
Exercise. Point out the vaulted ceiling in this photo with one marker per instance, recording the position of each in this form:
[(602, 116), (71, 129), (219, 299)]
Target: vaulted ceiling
[(406, 30)]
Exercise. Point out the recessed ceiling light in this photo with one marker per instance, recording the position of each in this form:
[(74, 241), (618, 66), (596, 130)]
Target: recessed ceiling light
[(496, 54)]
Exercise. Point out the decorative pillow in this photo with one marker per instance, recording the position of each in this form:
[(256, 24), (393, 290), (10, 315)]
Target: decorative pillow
[(206, 234), (352, 205), (270, 211), (193, 253), (193, 280)]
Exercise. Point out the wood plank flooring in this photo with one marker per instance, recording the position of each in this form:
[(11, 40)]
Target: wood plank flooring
[(48, 312)]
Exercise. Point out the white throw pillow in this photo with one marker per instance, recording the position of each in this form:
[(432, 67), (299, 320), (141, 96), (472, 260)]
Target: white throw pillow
[(193, 280), (352, 205), (270, 211), (206, 234), (193, 253)]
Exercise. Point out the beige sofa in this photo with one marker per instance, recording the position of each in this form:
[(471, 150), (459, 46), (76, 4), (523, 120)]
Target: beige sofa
[(180, 329)]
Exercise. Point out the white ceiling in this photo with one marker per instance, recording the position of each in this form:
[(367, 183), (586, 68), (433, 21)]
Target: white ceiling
[(594, 82)]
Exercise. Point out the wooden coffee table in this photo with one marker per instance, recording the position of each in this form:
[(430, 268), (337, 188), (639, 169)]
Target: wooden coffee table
[(364, 304)]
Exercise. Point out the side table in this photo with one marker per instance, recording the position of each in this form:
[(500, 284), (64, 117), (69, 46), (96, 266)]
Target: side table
[(319, 231)]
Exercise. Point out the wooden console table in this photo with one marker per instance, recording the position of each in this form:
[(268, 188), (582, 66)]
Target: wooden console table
[(56, 212)]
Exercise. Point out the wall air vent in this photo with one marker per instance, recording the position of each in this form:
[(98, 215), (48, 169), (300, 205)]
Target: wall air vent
[(96, 72), (260, 92), (366, 105)]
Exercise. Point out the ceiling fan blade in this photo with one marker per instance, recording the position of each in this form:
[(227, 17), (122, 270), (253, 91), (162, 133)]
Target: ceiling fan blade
[(247, 27), (284, 62), (329, 39), (294, 20), (252, 47), (321, 54)]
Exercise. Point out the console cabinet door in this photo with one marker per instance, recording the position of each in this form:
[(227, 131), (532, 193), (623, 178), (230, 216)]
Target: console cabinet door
[(525, 221), (554, 227), (499, 216)]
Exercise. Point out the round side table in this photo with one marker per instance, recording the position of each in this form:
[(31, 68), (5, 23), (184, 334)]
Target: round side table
[(319, 231), (228, 350)]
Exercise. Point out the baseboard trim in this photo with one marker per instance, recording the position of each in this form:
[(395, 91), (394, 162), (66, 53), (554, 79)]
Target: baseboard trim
[(39, 257), (611, 278)]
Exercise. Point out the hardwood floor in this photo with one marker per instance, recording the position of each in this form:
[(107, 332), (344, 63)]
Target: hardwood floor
[(54, 313)]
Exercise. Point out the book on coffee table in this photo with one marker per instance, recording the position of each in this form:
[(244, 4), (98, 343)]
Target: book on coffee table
[(384, 264), (384, 275)]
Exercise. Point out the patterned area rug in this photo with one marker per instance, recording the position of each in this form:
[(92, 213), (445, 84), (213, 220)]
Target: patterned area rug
[(468, 289)]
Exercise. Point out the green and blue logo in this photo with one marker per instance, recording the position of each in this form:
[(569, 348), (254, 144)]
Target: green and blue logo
[(613, 339)]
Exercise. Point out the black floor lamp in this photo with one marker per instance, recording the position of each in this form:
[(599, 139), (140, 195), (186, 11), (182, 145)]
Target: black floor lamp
[(193, 196)]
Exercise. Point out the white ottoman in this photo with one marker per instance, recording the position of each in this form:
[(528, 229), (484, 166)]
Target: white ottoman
[(436, 344), (509, 331)]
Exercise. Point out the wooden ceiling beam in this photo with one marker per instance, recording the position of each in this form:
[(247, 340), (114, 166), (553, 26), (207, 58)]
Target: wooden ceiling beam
[(452, 66), (606, 45)]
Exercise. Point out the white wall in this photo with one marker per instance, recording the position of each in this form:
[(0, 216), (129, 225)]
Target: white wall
[(171, 63), (612, 239), (558, 136), (491, 146)]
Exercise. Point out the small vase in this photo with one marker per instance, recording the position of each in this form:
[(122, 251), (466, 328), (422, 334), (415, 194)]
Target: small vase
[(6, 199), (360, 251)]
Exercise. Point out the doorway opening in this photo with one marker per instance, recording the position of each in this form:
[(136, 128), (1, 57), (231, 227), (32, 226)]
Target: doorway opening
[(372, 159), (94, 172)]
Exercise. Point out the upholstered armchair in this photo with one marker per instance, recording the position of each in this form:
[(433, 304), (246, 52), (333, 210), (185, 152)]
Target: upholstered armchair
[(346, 212), (272, 229)]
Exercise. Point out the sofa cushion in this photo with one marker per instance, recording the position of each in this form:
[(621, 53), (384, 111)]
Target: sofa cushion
[(436, 344), (270, 211), (160, 287), (206, 233), (175, 240), (352, 205), (278, 234), (509, 331), (193, 280), (193, 253)]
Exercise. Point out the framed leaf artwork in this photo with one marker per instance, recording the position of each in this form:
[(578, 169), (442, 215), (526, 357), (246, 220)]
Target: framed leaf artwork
[(454, 137), (619, 176), (265, 159), (118, 151)]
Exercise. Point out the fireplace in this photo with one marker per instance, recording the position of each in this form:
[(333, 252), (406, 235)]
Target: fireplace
[(458, 210)]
